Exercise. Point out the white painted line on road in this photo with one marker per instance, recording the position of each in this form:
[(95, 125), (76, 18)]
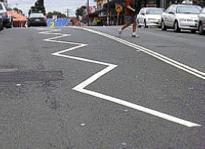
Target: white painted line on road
[(81, 87), (137, 107), (161, 57), (92, 79)]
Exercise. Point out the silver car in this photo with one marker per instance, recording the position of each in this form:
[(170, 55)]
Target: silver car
[(202, 22), (149, 16), (181, 16), (7, 20)]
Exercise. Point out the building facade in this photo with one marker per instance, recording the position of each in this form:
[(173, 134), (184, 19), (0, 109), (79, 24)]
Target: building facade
[(100, 4)]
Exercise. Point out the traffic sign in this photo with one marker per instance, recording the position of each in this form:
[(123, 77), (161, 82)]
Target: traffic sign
[(118, 8)]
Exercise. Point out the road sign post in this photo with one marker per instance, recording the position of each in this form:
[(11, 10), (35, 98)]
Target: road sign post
[(118, 9)]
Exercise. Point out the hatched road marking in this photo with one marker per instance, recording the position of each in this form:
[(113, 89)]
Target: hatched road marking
[(81, 87)]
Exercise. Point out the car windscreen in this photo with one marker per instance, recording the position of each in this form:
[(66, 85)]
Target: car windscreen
[(36, 15), (154, 11), (188, 9)]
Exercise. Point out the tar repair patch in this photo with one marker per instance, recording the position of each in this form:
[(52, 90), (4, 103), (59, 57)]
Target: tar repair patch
[(21, 76)]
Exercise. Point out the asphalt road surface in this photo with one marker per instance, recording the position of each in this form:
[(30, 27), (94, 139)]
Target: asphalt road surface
[(89, 88)]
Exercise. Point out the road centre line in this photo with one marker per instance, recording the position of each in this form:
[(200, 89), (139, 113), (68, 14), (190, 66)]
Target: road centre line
[(81, 87), (161, 57)]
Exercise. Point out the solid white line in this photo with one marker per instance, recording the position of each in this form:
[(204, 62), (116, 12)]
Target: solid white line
[(73, 43), (110, 67), (161, 57), (139, 108), (79, 58)]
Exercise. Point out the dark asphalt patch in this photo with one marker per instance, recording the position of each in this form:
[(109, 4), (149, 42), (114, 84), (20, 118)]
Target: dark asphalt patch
[(21, 76)]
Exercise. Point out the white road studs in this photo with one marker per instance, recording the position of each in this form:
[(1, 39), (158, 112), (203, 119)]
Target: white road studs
[(124, 143), (18, 85), (191, 88), (82, 124), (81, 87), (125, 110)]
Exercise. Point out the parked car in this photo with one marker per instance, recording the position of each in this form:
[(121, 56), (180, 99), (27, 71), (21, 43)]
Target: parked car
[(149, 16), (181, 16), (1, 23), (7, 20), (37, 19), (202, 22)]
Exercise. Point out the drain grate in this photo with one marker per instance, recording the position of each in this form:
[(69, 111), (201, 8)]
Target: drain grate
[(21, 76)]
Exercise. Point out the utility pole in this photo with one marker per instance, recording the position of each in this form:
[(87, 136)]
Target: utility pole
[(108, 12), (88, 17), (68, 12)]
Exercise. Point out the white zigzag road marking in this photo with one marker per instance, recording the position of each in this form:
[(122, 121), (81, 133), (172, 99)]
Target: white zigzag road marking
[(81, 87)]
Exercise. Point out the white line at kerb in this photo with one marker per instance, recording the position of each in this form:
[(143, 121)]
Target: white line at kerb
[(161, 57), (81, 87)]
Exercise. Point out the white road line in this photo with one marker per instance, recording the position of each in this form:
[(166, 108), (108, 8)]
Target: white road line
[(81, 87), (139, 108), (161, 57)]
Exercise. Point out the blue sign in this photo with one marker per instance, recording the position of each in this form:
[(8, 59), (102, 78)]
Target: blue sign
[(60, 22)]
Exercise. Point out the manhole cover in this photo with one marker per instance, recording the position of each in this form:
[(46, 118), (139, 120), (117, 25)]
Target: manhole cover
[(20, 76)]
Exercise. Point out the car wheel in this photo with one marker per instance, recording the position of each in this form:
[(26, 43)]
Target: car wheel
[(9, 25), (176, 26), (193, 31), (163, 26), (1, 27), (145, 24), (138, 24), (201, 31)]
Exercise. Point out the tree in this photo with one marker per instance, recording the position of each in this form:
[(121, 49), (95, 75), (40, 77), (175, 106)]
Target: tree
[(18, 10), (38, 7), (80, 11), (56, 13)]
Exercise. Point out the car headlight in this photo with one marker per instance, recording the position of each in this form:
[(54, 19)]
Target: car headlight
[(151, 19), (182, 19)]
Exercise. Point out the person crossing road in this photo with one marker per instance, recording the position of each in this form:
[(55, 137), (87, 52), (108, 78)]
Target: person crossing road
[(130, 17)]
